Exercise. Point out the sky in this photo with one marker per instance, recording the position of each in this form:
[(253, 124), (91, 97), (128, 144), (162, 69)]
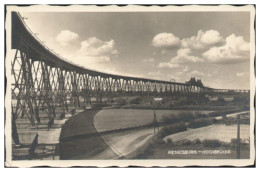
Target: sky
[(211, 46)]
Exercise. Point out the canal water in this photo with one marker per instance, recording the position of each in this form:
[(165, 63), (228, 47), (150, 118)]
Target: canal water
[(111, 119)]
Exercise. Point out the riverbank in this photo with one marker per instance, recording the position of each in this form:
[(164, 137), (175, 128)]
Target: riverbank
[(217, 141), (219, 132)]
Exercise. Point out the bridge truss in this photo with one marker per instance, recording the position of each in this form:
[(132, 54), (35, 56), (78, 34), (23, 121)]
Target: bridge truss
[(43, 82)]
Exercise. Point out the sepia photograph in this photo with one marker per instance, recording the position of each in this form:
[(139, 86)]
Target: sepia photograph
[(132, 85)]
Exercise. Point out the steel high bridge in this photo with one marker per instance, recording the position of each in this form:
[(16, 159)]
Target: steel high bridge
[(44, 83)]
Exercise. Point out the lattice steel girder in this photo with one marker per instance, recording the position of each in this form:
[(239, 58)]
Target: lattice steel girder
[(20, 34), (47, 104), (22, 91), (43, 81), (75, 91), (61, 92)]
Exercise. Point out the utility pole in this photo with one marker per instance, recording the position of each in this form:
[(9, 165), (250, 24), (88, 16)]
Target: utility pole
[(238, 136), (155, 123)]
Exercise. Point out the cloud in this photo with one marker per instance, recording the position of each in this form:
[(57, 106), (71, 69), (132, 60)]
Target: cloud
[(235, 50), (154, 73), (240, 74), (196, 73), (66, 37), (211, 37), (203, 39), (183, 57), (185, 69), (98, 50), (165, 40), (165, 51), (148, 60), (168, 65)]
